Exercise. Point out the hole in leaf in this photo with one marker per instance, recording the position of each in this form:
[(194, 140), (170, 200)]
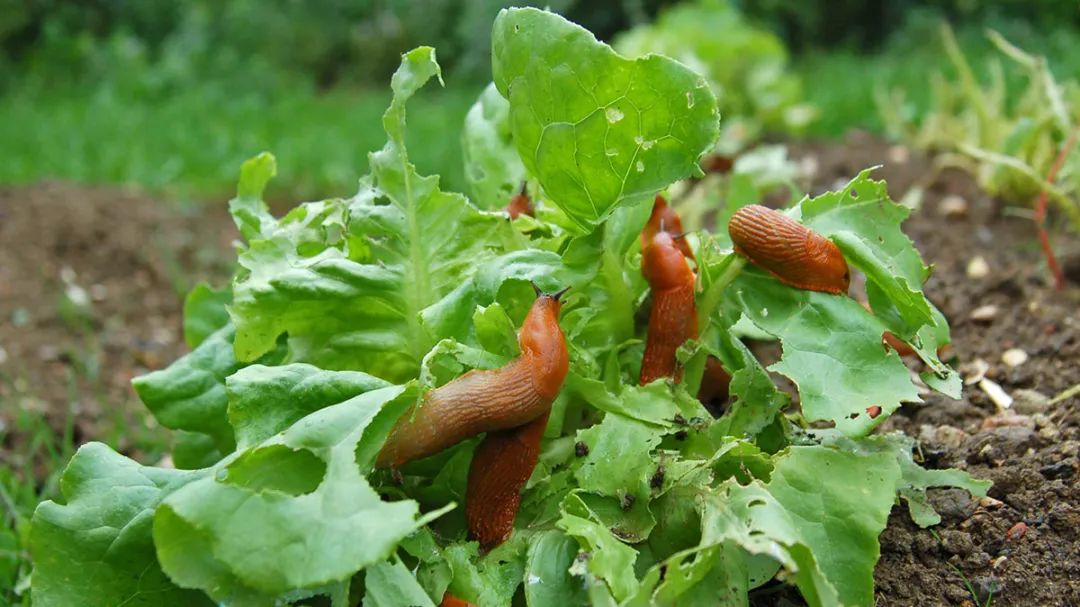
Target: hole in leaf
[(277, 468)]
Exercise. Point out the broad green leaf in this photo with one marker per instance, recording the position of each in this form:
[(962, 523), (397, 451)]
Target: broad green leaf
[(266, 400), (347, 280), (194, 450), (597, 129), (204, 313), (493, 169), (390, 584), (548, 580), (865, 223), (190, 393), (95, 549), (832, 351), (292, 513)]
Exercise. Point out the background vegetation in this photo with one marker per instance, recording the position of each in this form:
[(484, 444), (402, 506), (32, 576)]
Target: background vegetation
[(172, 96)]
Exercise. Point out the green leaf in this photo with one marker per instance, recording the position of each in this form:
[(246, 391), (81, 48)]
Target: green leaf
[(819, 515), (250, 213), (390, 584), (190, 393), (493, 169), (832, 351), (619, 461), (266, 400), (598, 130), (307, 485), (347, 280), (491, 580), (608, 559), (548, 580), (865, 223), (204, 313), (95, 549)]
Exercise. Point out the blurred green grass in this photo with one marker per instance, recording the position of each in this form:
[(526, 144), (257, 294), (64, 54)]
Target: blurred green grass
[(189, 146)]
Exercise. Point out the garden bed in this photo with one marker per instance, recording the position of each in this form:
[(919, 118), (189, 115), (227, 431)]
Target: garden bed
[(127, 254)]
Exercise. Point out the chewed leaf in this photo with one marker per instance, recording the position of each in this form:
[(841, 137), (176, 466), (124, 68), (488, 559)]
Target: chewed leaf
[(832, 351), (307, 485), (597, 129), (493, 168), (865, 223)]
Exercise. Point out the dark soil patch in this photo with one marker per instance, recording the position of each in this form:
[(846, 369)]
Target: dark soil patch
[(1023, 546), (91, 287)]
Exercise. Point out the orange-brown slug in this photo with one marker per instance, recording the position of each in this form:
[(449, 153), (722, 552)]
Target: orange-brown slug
[(673, 317), (487, 400), (790, 251), (449, 600), (501, 465), (520, 203), (665, 219)]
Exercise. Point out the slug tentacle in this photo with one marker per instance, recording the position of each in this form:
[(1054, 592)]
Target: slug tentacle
[(790, 251), (501, 465)]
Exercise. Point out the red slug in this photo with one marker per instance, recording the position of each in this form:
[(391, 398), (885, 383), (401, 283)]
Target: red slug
[(673, 318), (520, 203), (487, 400), (449, 600), (714, 382), (790, 251), (501, 465), (665, 219)]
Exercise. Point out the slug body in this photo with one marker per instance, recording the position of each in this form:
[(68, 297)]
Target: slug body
[(449, 600), (664, 219), (487, 400), (501, 465), (673, 318), (520, 204), (790, 251), (715, 382)]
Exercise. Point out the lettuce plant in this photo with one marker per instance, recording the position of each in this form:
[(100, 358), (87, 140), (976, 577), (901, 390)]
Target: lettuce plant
[(343, 312)]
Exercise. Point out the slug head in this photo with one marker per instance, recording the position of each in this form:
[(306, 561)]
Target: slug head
[(664, 219), (543, 344), (834, 274), (663, 263)]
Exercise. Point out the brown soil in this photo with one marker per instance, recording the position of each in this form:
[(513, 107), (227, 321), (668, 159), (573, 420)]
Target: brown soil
[(1029, 451), (91, 284), (129, 253)]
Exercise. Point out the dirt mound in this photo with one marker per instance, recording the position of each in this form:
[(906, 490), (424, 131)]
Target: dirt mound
[(91, 283)]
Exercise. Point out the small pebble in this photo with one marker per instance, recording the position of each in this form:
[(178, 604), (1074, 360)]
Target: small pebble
[(984, 313), (996, 393), (988, 503), (1016, 532), (1014, 357), (950, 437), (1060, 471), (974, 371), (978, 268), (953, 206), (1030, 402), (998, 562)]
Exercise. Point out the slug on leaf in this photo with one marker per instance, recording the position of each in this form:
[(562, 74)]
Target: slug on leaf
[(673, 317), (665, 219), (520, 204), (487, 400), (790, 251), (501, 465), (715, 382)]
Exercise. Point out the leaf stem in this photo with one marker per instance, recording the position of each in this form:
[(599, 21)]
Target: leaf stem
[(733, 265)]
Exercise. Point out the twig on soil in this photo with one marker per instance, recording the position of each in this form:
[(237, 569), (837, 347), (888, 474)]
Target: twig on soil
[(1040, 210), (1066, 393)]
